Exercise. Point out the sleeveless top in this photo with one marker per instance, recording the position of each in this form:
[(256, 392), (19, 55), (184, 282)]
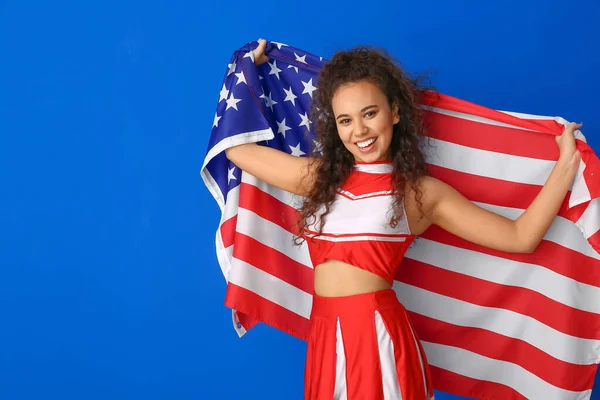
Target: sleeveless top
[(357, 228)]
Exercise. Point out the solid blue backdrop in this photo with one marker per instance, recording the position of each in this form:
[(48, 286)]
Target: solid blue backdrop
[(109, 284)]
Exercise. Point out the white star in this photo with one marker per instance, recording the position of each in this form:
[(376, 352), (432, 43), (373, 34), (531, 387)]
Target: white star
[(230, 175), (320, 58), (216, 121), (223, 94), (232, 102), (241, 78), (301, 59), (308, 87), (249, 55), (231, 68), (293, 66), (274, 70), (296, 150), (269, 101), (279, 44), (318, 146), (305, 121), (282, 128), (290, 96)]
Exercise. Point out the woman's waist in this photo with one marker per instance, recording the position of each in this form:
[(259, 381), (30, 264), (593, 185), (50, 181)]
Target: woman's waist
[(354, 305), (335, 278)]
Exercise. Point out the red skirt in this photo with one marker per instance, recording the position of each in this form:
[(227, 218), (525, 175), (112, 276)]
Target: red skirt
[(363, 347)]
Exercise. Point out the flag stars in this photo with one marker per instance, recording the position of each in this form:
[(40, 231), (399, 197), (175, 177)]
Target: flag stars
[(279, 45), (290, 96), (282, 127), (231, 68), (249, 55), (293, 66), (232, 102), (296, 150), (300, 59), (241, 78), (223, 94), (230, 175), (269, 101), (308, 88), (305, 121), (216, 121), (274, 70)]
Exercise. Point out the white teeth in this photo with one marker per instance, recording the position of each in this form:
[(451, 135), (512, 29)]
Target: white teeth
[(366, 143)]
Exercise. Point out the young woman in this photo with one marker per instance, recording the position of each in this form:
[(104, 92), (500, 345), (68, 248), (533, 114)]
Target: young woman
[(367, 196)]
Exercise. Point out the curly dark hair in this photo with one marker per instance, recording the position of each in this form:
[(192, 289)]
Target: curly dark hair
[(334, 161)]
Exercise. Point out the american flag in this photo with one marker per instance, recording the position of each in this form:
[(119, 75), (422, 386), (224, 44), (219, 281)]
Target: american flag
[(494, 325)]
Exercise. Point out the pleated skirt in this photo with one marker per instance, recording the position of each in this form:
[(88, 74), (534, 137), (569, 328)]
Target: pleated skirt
[(363, 347)]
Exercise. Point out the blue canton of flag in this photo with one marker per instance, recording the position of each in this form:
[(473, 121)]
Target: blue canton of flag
[(251, 101)]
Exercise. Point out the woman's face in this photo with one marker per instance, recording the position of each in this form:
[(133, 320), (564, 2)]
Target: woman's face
[(364, 120)]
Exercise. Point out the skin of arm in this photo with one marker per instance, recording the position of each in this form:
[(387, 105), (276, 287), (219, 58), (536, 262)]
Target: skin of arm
[(444, 206)]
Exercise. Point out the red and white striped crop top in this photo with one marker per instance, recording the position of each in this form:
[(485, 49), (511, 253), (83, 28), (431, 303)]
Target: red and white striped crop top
[(357, 229)]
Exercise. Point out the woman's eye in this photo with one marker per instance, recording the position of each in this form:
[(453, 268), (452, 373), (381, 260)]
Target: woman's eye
[(344, 121), (370, 114)]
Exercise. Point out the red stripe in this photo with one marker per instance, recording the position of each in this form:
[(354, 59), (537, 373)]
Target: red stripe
[(494, 138), (493, 191), (227, 229), (268, 207), (556, 315), (555, 257), (450, 103), (273, 262), (247, 321), (247, 302), (591, 173), (461, 385), (594, 241), (493, 345)]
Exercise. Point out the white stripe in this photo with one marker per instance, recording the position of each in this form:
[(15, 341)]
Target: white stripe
[(387, 360), (589, 222), (235, 140), (489, 164), (560, 120), (291, 199), (337, 239), (507, 272), (505, 322), (228, 211), (479, 367), (579, 191), (270, 287), (272, 235), (562, 231), (341, 389)]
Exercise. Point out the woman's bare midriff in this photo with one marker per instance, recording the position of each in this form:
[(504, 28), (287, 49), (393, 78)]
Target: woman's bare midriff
[(336, 278)]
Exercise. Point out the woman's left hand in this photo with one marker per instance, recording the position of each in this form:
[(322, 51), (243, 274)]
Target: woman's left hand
[(569, 155)]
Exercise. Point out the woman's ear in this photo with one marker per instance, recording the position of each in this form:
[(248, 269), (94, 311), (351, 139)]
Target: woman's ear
[(395, 113)]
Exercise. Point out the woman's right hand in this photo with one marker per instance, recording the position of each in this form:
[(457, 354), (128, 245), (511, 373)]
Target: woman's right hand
[(259, 53)]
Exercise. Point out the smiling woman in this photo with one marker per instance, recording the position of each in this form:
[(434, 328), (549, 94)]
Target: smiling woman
[(367, 195)]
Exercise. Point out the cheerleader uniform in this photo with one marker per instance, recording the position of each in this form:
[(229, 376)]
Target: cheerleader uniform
[(363, 347)]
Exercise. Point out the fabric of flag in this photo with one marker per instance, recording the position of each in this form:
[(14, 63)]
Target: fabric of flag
[(494, 325)]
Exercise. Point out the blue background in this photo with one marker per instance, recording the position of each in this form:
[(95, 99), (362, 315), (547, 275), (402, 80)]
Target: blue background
[(109, 284)]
